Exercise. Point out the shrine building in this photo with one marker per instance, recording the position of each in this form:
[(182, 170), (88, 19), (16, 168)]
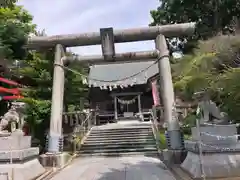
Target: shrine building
[(122, 90)]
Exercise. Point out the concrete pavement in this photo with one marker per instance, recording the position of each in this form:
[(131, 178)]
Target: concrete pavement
[(115, 168)]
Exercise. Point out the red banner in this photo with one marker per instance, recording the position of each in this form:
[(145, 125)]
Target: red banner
[(155, 94)]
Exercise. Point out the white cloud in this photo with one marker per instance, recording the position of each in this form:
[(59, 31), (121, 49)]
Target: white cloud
[(76, 16)]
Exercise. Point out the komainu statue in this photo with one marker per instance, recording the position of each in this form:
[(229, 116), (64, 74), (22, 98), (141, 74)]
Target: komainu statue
[(10, 121), (209, 112)]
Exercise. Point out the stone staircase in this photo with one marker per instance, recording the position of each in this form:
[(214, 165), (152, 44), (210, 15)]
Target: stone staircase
[(120, 139)]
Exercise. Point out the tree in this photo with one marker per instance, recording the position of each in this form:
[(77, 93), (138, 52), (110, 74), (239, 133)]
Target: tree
[(7, 3), (212, 16), (15, 24), (214, 60), (213, 67), (15, 27), (75, 90), (39, 66)]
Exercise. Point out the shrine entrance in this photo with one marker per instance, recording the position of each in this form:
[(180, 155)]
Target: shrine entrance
[(107, 37), (127, 105)]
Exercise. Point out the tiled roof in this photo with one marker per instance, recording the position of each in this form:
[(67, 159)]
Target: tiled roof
[(118, 71)]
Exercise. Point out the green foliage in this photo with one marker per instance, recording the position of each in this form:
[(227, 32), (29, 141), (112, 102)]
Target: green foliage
[(214, 64), (230, 94), (212, 16), (163, 142), (185, 82), (74, 88), (214, 67), (189, 122), (37, 111), (15, 25), (39, 67), (8, 3)]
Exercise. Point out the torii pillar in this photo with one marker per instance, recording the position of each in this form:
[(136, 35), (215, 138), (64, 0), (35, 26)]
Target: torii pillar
[(55, 139), (167, 94)]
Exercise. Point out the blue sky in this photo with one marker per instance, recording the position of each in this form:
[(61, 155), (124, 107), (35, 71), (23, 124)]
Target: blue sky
[(76, 16)]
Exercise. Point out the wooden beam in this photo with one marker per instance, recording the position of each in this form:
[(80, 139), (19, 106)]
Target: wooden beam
[(125, 94)]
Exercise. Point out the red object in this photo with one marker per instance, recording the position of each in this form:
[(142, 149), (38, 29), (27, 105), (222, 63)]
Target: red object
[(15, 91), (9, 82), (11, 91), (26, 130), (155, 94), (12, 97)]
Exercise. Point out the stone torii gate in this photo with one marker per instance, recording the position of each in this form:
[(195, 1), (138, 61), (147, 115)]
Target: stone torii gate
[(107, 37)]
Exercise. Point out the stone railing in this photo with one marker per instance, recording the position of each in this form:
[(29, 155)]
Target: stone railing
[(76, 126)]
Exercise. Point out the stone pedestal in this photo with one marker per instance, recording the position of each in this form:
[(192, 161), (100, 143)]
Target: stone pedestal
[(171, 157), (55, 160), (220, 156), (18, 160)]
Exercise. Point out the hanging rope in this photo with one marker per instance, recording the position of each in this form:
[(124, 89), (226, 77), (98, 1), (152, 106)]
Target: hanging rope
[(85, 77)]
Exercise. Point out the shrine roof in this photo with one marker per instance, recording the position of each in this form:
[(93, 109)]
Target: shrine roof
[(139, 72)]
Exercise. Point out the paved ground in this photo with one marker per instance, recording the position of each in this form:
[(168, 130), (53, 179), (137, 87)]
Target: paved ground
[(118, 168)]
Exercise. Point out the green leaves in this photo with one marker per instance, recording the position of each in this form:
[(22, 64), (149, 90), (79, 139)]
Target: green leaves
[(15, 25), (211, 15), (7, 3), (213, 66), (37, 116)]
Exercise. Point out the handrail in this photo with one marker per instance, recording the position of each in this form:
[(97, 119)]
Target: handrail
[(89, 126), (87, 118), (155, 129), (81, 130)]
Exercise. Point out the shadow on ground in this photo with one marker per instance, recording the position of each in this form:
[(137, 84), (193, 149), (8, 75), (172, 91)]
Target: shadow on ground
[(116, 168), (133, 169)]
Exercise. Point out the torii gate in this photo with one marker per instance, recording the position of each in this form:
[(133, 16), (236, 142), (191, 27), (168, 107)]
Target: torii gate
[(107, 37)]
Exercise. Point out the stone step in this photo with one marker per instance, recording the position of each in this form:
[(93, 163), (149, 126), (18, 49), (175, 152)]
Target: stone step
[(120, 135), (113, 141), (87, 151), (119, 138), (149, 153), (119, 143), (116, 146), (120, 130), (125, 132), (124, 125)]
